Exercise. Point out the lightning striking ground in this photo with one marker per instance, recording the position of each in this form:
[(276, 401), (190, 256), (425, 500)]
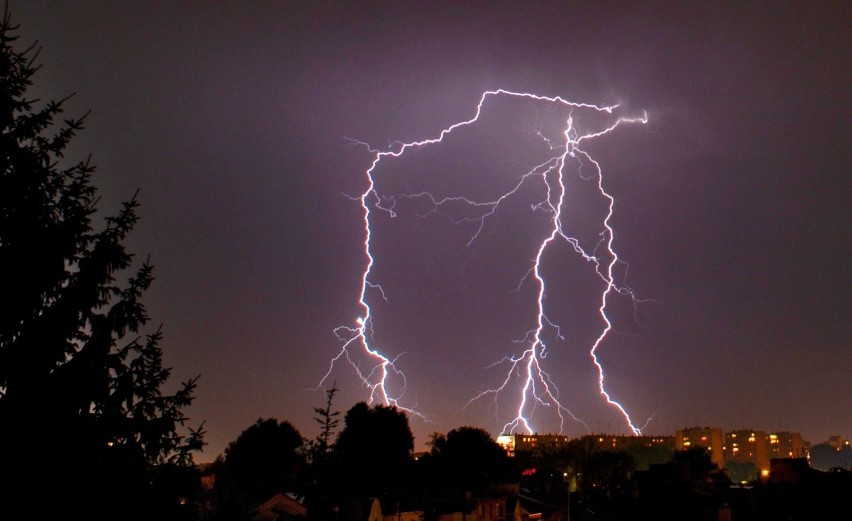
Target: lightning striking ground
[(380, 375)]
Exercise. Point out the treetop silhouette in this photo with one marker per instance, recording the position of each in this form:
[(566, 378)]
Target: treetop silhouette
[(81, 401)]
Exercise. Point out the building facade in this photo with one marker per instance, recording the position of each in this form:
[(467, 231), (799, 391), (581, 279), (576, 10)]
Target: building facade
[(513, 443), (737, 447), (748, 446), (785, 444), (707, 437), (620, 443)]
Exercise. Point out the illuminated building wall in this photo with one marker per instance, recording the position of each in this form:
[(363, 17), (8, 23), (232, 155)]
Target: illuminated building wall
[(754, 446), (709, 438), (616, 443), (521, 442), (786, 444), (507, 441), (748, 446)]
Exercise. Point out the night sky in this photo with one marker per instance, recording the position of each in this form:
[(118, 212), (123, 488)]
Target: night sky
[(234, 121)]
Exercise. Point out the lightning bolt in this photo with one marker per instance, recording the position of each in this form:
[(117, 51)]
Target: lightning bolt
[(537, 388)]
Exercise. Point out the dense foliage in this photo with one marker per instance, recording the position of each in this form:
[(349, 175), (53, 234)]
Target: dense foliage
[(264, 460), (373, 452), (84, 419), (463, 463)]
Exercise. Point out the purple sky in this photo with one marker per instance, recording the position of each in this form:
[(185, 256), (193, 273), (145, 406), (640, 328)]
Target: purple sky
[(732, 203)]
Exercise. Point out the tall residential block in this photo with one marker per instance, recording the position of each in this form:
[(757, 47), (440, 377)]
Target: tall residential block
[(785, 444), (523, 442), (748, 446), (707, 437)]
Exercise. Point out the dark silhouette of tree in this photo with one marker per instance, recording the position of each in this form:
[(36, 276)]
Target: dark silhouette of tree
[(320, 473), (644, 456), (374, 453), (264, 460), (435, 441), (461, 465), (84, 421), (328, 421), (696, 461), (827, 457), (608, 473), (742, 471), (690, 487), (473, 460)]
